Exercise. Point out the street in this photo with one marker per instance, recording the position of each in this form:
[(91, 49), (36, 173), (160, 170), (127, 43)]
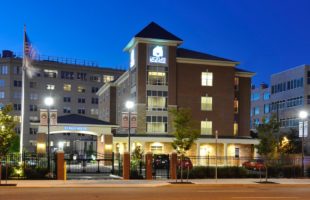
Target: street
[(178, 192)]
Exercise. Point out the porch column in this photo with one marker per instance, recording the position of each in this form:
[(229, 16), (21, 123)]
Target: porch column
[(198, 153), (100, 144), (225, 154)]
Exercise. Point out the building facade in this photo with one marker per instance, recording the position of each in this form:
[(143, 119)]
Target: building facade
[(260, 104), (164, 76), (72, 83)]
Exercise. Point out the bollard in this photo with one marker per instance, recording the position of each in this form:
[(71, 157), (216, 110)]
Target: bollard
[(173, 166), (148, 167), (126, 166)]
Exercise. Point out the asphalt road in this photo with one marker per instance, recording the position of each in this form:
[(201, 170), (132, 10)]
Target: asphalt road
[(179, 192)]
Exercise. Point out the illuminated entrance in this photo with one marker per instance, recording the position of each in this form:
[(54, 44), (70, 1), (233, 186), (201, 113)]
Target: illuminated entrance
[(76, 133)]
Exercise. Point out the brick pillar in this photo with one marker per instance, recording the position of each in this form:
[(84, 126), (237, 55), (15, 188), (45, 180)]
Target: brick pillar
[(60, 162), (148, 167), (126, 166), (173, 166)]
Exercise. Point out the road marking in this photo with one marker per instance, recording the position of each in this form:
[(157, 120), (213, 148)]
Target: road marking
[(266, 197)]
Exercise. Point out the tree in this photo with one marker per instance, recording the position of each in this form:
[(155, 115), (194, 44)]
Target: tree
[(290, 142), (185, 132), (267, 146), (7, 132)]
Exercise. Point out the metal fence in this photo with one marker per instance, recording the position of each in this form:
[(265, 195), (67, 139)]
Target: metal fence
[(33, 166)]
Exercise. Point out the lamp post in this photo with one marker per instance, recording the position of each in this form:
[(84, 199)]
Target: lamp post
[(129, 105), (303, 115), (48, 101)]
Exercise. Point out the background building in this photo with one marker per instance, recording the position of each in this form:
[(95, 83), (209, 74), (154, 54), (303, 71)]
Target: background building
[(72, 83), (163, 76), (260, 104)]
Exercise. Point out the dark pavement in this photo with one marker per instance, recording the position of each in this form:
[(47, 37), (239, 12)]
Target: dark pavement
[(178, 192)]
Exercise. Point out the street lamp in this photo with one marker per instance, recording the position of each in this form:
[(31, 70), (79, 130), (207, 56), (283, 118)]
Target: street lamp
[(129, 105), (48, 101), (303, 115)]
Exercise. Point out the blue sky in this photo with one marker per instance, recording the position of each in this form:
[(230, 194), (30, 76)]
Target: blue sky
[(265, 36)]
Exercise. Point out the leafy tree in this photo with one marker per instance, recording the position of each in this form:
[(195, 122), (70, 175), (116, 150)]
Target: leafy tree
[(136, 157), (290, 142), (267, 146), (14, 148), (185, 132), (7, 132)]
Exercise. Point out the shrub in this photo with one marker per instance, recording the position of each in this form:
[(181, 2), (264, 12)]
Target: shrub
[(35, 173), (134, 174)]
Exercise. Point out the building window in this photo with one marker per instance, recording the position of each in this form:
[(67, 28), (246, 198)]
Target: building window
[(81, 76), (81, 100), (17, 107), (207, 79), (66, 110), (94, 89), (236, 105), (206, 103), (157, 78), (107, 78), (17, 70), (2, 83), (2, 95), (256, 110), (94, 111), (235, 128), (236, 83), (34, 96), (50, 87), (266, 108), (254, 96), (206, 127), (156, 124), (67, 87), (156, 148), (94, 78), (34, 118), (17, 83), (33, 131), (33, 108), (94, 100), (157, 100), (81, 111), (67, 99), (266, 95), (50, 73), (4, 70), (81, 89), (67, 75), (32, 84)]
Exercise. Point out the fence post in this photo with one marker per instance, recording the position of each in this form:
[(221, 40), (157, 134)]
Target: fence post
[(148, 167), (126, 166), (60, 162), (173, 166)]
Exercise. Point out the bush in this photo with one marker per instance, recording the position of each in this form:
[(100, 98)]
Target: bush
[(284, 171), (134, 174), (35, 173)]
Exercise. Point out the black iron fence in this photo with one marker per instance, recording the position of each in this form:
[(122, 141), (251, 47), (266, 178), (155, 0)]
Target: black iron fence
[(27, 166)]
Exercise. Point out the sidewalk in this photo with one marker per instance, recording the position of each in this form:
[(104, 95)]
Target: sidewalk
[(146, 183)]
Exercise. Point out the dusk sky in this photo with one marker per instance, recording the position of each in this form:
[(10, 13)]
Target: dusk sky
[(265, 36)]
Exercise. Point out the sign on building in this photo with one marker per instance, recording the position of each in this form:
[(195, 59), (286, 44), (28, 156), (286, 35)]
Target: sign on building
[(125, 120), (158, 54), (305, 129), (44, 119)]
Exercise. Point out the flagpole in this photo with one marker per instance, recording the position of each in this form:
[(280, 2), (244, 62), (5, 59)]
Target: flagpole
[(23, 119)]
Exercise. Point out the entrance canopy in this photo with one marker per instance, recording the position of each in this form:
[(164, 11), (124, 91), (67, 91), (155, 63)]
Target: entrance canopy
[(78, 124)]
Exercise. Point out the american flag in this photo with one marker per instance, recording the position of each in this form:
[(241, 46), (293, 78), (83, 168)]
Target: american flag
[(29, 56)]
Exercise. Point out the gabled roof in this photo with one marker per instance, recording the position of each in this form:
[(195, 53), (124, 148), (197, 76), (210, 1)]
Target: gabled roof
[(155, 31), (243, 70), (79, 119), (187, 53)]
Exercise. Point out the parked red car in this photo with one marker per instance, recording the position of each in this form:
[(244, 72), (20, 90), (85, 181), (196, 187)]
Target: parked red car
[(186, 163), (257, 164)]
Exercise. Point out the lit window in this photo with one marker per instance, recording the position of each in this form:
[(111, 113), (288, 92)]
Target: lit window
[(155, 103), (157, 149), (34, 118), (67, 87), (236, 83), (155, 127), (206, 127), (50, 87), (235, 128), (94, 111), (108, 78), (50, 73), (206, 103), (157, 78), (236, 106), (81, 89), (207, 79)]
